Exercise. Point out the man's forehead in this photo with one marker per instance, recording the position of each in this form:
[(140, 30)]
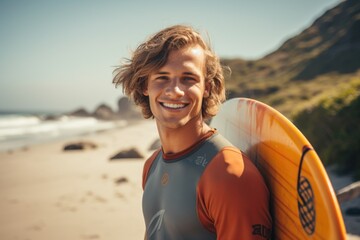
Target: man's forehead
[(193, 48), (197, 50)]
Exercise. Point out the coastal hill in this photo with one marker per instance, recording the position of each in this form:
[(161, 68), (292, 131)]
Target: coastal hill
[(306, 67), (314, 79)]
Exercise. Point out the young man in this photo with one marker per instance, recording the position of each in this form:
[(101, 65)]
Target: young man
[(197, 186)]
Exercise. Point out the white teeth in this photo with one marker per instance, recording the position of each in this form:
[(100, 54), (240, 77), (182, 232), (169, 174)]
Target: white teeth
[(173, 105)]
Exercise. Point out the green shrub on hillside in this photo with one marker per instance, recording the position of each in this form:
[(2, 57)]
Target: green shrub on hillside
[(333, 128)]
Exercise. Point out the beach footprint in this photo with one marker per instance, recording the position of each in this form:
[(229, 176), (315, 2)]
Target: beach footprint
[(93, 197), (37, 226), (90, 236), (66, 204)]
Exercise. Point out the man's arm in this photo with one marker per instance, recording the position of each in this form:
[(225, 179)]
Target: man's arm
[(233, 199)]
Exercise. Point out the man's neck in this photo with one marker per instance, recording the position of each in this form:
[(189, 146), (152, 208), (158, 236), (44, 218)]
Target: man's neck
[(175, 140)]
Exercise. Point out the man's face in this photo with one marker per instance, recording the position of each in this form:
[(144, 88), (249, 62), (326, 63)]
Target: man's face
[(176, 90)]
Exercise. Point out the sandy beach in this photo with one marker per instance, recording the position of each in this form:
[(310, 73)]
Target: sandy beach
[(46, 193), (50, 194)]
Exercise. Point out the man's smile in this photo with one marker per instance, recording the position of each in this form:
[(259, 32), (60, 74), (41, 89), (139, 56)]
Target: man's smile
[(173, 105)]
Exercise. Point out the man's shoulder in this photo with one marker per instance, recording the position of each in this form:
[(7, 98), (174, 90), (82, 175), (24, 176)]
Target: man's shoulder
[(151, 159), (231, 161), (148, 164)]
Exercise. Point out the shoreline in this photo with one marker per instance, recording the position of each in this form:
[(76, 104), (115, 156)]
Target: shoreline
[(102, 126)]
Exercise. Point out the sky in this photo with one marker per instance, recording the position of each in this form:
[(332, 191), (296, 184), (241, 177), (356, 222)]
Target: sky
[(58, 56)]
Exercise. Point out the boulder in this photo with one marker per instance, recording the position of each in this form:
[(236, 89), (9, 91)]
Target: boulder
[(349, 192), (51, 117), (79, 146), (81, 112), (155, 145), (129, 153), (104, 112), (125, 105), (127, 109), (353, 211), (121, 180)]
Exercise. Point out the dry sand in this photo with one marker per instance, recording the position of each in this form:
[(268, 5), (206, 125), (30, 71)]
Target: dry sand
[(46, 193)]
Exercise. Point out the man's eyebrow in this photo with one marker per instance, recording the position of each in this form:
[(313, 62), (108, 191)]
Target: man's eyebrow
[(184, 73), (162, 73), (190, 73)]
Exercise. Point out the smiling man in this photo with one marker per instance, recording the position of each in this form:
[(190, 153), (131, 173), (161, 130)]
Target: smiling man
[(197, 185)]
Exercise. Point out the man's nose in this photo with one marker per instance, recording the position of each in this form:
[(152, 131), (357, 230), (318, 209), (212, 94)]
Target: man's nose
[(174, 89)]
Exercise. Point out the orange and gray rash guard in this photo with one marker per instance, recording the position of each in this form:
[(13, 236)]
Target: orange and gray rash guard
[(209, 191)]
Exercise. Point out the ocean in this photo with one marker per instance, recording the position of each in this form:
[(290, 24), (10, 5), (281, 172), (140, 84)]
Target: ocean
[(19, 130)]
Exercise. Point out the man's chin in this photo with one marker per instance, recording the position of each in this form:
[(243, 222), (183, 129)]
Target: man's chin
[(173, 123)]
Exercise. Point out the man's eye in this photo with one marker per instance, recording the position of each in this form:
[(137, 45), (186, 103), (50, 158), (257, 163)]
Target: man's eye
[(162, 78), (189, 79)]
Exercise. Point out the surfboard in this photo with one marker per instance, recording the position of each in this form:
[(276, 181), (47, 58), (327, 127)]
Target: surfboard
[(303, 202)]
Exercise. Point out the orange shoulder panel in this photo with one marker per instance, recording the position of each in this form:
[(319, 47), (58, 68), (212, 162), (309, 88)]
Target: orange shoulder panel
[(147, 166), (233, 199)]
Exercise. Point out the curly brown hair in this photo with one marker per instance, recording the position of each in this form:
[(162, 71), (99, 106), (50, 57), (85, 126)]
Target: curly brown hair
[(152, 55)]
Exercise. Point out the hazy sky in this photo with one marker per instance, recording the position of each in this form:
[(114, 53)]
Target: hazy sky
[(59, 55)]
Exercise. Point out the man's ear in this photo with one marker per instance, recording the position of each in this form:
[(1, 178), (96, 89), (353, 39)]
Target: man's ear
[(145, 92), (207, 90)]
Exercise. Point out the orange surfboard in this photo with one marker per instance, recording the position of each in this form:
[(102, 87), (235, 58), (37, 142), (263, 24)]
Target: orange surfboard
[(303, 201)]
